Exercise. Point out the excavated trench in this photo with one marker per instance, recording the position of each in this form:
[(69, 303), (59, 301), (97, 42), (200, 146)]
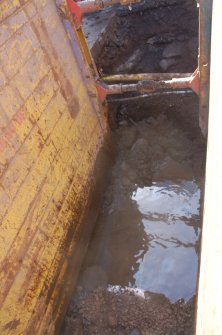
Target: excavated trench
[(140, 273)]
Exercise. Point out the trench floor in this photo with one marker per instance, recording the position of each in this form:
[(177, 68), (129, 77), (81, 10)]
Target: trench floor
[(139, 276), (140, 272)]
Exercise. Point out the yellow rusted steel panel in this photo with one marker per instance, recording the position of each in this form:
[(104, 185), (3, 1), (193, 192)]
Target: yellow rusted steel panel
[(52, 128)]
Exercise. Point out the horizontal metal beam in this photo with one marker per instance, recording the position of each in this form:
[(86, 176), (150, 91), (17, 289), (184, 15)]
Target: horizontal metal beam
[(149, 95), (144, 77), (148, 86)]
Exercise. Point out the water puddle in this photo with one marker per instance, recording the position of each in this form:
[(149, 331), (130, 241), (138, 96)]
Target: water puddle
[(148, 233), (170, 214)]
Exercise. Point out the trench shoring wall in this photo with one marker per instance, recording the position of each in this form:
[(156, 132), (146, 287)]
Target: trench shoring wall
[(51, 130)]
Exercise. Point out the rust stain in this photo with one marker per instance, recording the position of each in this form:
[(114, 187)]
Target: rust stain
[(12, 325), (52, 57), (14, 264), (10, 132)]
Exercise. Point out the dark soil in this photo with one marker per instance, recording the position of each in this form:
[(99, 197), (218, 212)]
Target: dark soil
[(125, 312), (155, 36)]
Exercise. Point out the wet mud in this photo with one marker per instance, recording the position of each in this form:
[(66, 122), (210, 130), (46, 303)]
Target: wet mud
[(147, 236), (130, 312)]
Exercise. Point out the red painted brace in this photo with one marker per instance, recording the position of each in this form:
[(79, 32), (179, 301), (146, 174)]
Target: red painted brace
[(195, 82), (76, 12), (80, 8), (102, 92)]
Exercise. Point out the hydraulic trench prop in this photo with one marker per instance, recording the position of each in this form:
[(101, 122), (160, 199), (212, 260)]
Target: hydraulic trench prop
[(144, 83)]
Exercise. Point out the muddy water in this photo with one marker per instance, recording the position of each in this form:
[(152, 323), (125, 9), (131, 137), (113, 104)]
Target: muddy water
[(147, 235), (170, 219)]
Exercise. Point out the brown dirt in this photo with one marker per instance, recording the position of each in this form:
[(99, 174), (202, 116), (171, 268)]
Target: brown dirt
[(125, 312)]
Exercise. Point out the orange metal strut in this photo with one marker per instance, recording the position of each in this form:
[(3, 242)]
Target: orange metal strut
[(149, 86), (80, 8)]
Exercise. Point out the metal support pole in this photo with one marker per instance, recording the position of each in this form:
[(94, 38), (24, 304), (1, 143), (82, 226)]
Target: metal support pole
[(205, 20), (148, 86), (144, 77), (72, 6)]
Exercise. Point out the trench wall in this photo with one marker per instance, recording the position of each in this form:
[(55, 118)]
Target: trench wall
[(51, 130)]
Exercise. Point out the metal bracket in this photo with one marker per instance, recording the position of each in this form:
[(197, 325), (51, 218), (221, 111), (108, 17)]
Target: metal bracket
[(76, 13), (195, 82), (102, 92), (80, 8)]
